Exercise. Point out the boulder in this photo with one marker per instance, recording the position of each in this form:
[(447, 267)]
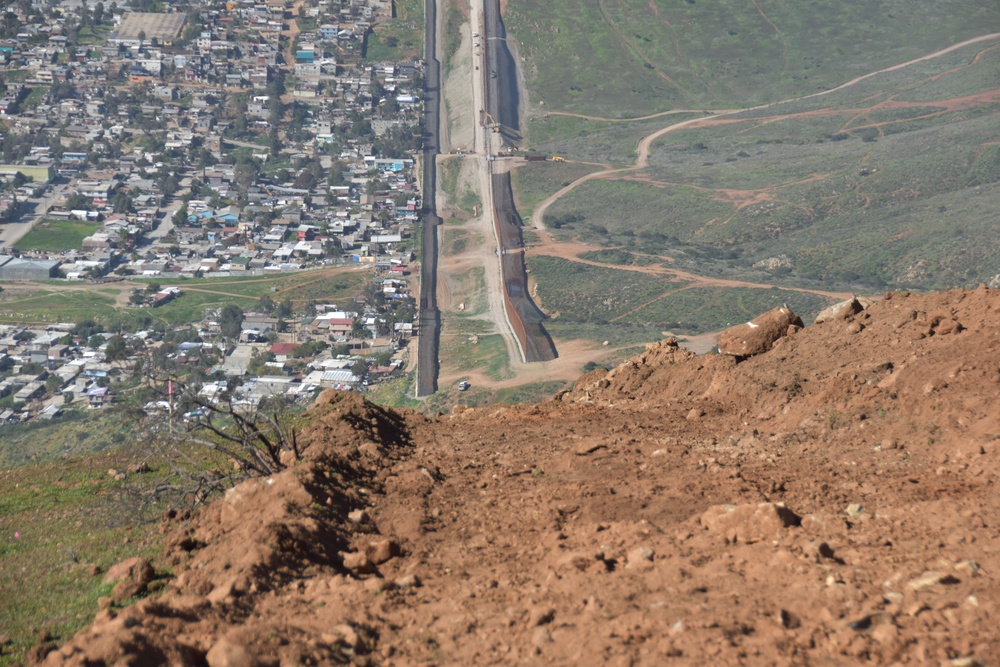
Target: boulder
[(228, 653), (135, 568), (749, 523), (382, 551), (839, 311), (758, 335)]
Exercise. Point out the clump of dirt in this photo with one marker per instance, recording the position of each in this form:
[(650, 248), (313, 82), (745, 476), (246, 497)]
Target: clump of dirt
[(831, 500)]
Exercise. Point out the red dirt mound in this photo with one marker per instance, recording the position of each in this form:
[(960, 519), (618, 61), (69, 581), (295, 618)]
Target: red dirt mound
[(830, 501)]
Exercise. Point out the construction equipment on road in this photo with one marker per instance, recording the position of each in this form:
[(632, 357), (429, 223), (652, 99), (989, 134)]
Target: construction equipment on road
[(492, 124), (556, 158)]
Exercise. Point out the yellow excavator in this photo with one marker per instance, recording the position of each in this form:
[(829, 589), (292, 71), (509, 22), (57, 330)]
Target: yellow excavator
[(493, 124), (556, 158)]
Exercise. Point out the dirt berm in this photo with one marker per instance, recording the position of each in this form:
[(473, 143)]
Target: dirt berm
[(832, 501)]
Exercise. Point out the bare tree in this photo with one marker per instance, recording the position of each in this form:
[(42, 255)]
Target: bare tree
[(209, 443)]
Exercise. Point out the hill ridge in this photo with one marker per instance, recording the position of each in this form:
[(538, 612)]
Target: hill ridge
[(827, 501)]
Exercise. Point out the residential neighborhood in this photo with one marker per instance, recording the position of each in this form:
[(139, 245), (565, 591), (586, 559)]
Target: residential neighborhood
[(173, 141)]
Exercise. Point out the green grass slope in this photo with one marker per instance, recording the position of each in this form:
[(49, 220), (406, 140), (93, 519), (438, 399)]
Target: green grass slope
[(627, 58)]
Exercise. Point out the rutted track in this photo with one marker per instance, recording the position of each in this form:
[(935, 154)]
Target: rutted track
[(428, 339)]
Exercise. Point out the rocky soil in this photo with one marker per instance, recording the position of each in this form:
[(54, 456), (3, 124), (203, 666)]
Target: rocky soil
[(829, 501)]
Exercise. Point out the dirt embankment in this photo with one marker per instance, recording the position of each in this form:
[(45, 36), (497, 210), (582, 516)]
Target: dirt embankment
[(830, 501)]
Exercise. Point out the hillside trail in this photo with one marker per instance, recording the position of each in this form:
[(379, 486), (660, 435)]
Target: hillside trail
[(829, 501), (571, 251)]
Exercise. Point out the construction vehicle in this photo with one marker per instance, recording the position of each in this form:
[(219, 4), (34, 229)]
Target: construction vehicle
[(493, 124), (556, 158)]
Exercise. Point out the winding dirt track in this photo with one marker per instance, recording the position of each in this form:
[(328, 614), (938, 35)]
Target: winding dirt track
[(570, 251)]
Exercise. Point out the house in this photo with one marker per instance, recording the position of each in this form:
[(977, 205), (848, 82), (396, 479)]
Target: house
[(98, 397), (283, 351)]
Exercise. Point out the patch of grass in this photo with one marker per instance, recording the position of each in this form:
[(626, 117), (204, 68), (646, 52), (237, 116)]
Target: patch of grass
[(50, 302), (720, 54), (54, 305), (593, 141), (56, 235), (534, 181), (400, 37), (398, 393), (76, 431), (574, 292), (840, 184), (67, 514), (462, 197), (700, 309), (34, 98), (455, 17), (468, 344), (617, 335)]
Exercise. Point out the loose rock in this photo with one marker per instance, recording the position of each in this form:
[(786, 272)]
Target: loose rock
[(758, 335)]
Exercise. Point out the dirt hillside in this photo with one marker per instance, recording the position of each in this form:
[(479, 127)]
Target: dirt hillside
[(831, 501)]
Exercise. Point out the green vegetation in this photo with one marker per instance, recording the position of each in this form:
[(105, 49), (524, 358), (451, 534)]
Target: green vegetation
[(620, 257), (56, 235), (401, 37), (629, 307), (398, 393), (573, 292), (618, 334), (67, 515), (462, 198), (49, 302), (534, 181), (698, 54), (700, 309), (471, 344), (613, 143), (76, 431), (455, 17), (53, 304), (840, 184)]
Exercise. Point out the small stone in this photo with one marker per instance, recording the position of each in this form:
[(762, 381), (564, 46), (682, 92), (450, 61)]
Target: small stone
[(358, 516), (93, 569), (103, 616), (409, 581), (376, 585), (227, 653), (541, 616), (819, 550), (383, 551), (970, 566), (788, 620), (885, 633), (357, 562), (962, 662), (639, 556), (345, 635), (749, 523), (373, 450), (916, 608), (541, 637), (694, 414), (839, 311), (928, 579), (854, 510), (588, 447)]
